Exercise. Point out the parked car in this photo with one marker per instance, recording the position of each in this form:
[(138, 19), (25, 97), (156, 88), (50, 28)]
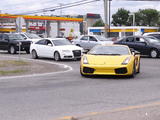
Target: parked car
[(110, 60), (30, 36), (12, 42), (57, 48), (89, 41), (151, 37), (145, 45), (154, 34)]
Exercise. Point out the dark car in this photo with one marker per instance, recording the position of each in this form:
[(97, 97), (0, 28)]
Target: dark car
[(145, 45), (12, 42)]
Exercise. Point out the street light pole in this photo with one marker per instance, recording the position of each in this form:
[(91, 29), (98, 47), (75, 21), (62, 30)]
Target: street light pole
[(106, 17), (133, 21), (109, 14)]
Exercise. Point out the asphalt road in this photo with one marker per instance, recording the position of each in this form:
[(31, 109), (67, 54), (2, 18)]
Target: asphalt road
[(66, 94)]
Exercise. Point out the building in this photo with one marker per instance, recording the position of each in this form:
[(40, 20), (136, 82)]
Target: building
[(50, 26), (121, 31)]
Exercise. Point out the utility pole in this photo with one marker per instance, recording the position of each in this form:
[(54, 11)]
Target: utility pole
[(106, 17), (133, 22), (61, 4)]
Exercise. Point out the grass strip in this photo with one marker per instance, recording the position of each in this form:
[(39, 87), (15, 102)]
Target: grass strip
[(2, 72), (5, 63)]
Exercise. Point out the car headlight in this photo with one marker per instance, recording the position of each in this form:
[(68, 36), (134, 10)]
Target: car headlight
[(85, 60), (18, 44), (82, 50), (126, 61)]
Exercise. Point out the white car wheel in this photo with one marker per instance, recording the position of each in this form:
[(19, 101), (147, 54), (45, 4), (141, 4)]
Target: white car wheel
[(34, 54), (57, 56)]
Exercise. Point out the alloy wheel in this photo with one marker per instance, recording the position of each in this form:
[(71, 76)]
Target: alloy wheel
[(153, 53)]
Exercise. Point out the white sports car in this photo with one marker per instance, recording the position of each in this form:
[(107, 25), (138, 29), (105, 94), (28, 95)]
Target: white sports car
[(57, 48)]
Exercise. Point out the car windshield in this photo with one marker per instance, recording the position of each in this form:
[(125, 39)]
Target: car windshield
[(61, 42), (15, 37), (155, 35), (32, 36), (101, 38), (152, 40), (109, 50), (151, 37)]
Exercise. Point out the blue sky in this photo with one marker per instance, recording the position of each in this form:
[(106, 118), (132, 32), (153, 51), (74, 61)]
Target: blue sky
[(21, 6)]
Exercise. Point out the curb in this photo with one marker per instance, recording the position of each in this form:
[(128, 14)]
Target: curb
[(37, 74)]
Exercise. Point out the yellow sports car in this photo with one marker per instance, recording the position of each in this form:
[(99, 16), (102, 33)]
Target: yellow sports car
[(110, 60)]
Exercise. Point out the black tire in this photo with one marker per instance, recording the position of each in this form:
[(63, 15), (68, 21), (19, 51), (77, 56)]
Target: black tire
[(12, 50), (154, 53), (138, 71), (27, 51), (83, 74), (34, 54), (133, 71), (78, 59), (57, 56)]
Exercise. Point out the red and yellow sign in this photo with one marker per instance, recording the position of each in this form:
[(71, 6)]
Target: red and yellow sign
[(29, 17)]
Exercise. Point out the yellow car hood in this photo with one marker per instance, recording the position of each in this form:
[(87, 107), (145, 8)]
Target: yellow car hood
[(106, 59)]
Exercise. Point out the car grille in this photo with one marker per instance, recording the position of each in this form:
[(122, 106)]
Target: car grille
[(76, 53), (67, 56), (26, 44), (88, 70), (121, 70)]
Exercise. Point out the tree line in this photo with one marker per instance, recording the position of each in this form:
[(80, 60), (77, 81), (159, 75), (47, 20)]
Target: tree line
[(143, 17)]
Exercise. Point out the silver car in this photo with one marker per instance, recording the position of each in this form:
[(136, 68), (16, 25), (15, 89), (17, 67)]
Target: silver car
[(89, 41)]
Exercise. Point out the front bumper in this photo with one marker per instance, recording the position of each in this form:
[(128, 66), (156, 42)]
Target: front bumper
[(22, 48), (75, 54), (87, 69)]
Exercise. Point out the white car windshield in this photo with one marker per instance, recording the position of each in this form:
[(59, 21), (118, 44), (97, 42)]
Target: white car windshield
[(61, 42), (109, 50), (32, 36)]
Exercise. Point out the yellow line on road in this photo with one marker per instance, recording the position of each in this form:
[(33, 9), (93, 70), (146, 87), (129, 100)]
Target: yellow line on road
[(109, 111)]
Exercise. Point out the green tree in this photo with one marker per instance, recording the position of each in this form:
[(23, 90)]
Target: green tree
[(120, 17), (147, 17), (99, 23), (159, 21)]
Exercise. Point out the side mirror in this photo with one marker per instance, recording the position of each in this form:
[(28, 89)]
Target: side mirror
[(144, 43), (86, 51), (132, 50), (135, 53)]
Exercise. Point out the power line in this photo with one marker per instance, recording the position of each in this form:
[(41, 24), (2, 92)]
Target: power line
[(60, 7), (47, 9)]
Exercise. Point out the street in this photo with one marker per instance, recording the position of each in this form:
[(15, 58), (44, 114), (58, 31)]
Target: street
[(68, 94)]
